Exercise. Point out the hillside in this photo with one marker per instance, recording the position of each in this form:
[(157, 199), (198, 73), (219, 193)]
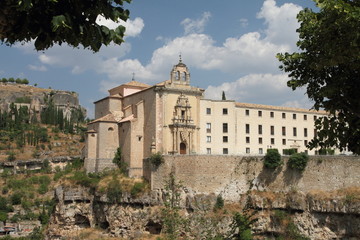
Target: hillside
[(37, 123), (36, 97)]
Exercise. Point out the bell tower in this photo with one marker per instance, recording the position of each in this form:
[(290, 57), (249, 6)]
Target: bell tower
[(180, 74)]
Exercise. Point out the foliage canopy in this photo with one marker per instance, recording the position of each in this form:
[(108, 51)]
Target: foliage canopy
[(328, 65), (50, 22)]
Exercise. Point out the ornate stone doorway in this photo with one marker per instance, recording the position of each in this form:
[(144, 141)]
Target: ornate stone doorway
[(182, 148)]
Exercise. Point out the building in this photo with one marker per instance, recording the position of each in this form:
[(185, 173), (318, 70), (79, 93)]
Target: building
[(173, 117)]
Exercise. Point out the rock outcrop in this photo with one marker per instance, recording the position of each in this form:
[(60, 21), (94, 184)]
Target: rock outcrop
[(315, 216)]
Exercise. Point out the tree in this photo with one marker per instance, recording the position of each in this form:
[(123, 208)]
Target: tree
[(56, 22), (328, 65), (223, 97)]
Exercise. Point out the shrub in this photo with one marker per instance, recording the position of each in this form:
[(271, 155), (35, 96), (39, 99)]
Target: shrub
[(114, 191), (156, 159), (119, 161), (3, 216), (43, 188), (219, 202), (289, 151), (16, 198), (298, 161), (272, 159), (11, 156), (138, 188)]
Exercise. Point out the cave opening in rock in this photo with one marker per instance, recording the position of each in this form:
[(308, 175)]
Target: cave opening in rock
[(104, 225), (82, 221), (153, 227)]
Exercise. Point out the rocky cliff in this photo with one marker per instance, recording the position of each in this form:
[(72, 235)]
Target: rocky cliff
[(317, 215), (35, 98)]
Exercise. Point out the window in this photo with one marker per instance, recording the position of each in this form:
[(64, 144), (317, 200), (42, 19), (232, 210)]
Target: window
[(260, 140), (315, 133), (225, 111), (208, 139), (247, 150), (284, 131), (208, 111), (305, 117), (272, 130), (208, 151), (260, 113), (247, 128), (305, 132), (260, 151), (284, 141), (294, 116), (294, 132), (272, 140), (182, 114), (208, 127), (225, 151), (315, 118), (225, 127), (247, 112), (306, 152), (283, 115), (260, 129), (305, 142), (272, 114), (247, 139), (225, 139)]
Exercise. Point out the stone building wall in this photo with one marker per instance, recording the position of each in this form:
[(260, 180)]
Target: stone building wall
[(231, 176)]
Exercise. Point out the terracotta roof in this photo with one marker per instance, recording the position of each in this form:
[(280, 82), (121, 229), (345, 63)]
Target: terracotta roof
[(269, 107), (107, 118), (137, 84), (129, 118), (111, 96)]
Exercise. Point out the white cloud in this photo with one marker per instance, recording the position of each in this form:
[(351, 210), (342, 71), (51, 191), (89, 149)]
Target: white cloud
[(41, 68), (133, 27), (196, 26), (281, 22), (260, 88)]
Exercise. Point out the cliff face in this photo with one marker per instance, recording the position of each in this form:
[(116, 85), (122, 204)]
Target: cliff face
[(34, 97), (320, 215)]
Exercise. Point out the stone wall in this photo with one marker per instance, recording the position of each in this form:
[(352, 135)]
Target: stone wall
[(231, 176)]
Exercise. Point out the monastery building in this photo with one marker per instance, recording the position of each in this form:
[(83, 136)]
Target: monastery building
[(173, 117)]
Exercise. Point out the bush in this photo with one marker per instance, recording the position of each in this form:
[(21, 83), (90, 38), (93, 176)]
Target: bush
[(119, 161), (219, 202), (156, 159), (43, 188), (3, 216), (11, 156), (114, 191), (272, 159), (298, 161), (16, 198), (138, 188), (289, 151)]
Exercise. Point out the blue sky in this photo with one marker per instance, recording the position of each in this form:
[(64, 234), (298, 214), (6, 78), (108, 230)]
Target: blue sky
[(228, 45)]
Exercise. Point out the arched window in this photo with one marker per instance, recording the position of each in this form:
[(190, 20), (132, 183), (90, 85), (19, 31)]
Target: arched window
[(110, 129)]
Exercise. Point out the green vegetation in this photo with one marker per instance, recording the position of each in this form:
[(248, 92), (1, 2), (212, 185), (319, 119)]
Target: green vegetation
[(122, 165), (18, 81), (328, 67), (298, 161), (61, 22), (272, 159), (156, 159), (289, 151), (219, 204), (241, 226)]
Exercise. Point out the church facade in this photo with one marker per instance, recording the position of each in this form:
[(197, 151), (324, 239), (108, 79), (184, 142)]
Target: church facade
[(173, 117)]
